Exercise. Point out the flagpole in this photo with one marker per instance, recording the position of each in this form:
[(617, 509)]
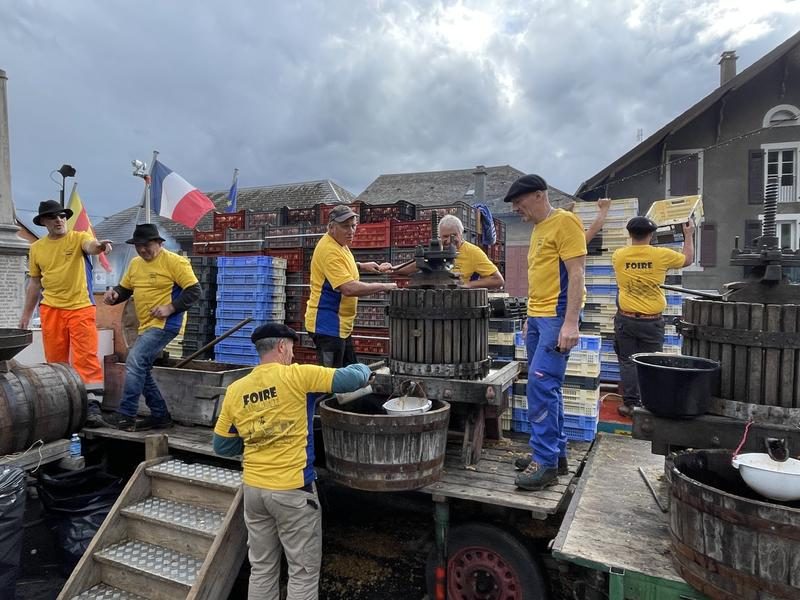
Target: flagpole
[(232, 206), (147, 181)]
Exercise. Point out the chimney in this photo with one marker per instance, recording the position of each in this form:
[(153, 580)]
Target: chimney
[(727, 66), (480, 184)]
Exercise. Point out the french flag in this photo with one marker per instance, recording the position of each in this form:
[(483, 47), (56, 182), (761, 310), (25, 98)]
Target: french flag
[(175, 198)]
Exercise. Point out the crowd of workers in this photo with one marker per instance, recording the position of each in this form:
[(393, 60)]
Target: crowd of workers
[(267, 415)]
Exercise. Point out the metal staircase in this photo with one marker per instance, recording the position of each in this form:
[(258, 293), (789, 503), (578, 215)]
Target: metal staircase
[(176, 532)]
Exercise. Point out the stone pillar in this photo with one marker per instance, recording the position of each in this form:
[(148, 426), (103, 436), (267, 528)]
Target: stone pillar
[(13, 249)]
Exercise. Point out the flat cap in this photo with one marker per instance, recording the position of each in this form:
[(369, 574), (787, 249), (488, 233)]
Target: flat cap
[(642, 224), (525, 185), (274, 330), (341, 213)]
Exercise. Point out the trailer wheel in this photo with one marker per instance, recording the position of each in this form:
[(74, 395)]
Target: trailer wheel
[(487, 563)]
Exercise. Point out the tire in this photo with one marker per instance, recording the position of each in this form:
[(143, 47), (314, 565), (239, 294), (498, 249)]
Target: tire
[(487, 563)]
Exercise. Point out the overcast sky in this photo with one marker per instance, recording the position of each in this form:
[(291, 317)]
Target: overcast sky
[(348, 89)]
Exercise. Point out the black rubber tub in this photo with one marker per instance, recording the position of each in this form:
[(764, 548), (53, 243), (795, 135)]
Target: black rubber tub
[(676, 386)]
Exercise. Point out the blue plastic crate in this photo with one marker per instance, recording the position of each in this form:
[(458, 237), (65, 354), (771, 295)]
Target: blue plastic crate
[(602, 290), (224, 325), (235, 358), (237, 344), (674, 299), (579, 435), (599, 270), (580, 422), (246, 293), (261, 314), (251, 261), (256, 278), (519, 414), (252, 306), (591, 343), (672, 340), (521, 426)]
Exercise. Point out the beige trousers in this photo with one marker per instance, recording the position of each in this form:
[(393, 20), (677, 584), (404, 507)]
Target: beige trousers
[(289, 520)]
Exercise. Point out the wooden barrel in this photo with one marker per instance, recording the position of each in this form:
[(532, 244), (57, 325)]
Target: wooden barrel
[(758, 348), (41, 402), (379, 452), (439, 332), (726, 541)]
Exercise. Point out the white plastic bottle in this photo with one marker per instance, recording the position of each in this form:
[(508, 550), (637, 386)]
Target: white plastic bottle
[(75, 446)]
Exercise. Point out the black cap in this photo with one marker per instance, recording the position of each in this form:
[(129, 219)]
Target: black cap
[(49, 208), (274, 330), (641, 225), (525, 185), (145, 232)]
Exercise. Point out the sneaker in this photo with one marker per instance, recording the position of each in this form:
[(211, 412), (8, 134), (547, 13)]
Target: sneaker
[(122, 422), (536, 477), (522, 463), (626, 410), (151, 422), (95, 420)]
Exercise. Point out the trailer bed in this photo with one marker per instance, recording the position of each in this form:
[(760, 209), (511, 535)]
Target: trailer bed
[(490, 481)]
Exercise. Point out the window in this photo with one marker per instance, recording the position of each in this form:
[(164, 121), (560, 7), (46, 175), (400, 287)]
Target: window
[(783, 115), (780, 162)]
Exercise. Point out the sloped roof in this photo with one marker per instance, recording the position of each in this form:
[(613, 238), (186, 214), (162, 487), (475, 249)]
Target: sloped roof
[(119, 227), (24, 217), (693, 112), (446, 187)]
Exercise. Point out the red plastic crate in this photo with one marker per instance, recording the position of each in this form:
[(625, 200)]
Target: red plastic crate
[(400, 210), (293, 256), (364, 342), (304, 355), (407, 234), (205, 242), (301, 216), (462, 210), (373, 235), (270, 217), (249, 240), (401, 282), (276, 236), (324, 211), (223, 221), (310, 241), (497, 253)]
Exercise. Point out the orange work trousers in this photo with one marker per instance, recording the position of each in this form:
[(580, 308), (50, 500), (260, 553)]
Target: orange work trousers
[(73, 331)]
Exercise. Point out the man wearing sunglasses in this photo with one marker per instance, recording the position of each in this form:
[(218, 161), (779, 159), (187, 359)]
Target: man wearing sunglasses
[(61, 274)]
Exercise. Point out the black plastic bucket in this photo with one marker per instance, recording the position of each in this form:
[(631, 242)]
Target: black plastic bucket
[(673, 385)]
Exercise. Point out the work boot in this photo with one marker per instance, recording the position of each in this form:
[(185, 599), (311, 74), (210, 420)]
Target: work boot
[(151, 422), (94, 417), (536, 477), (122, 422), (523, 461), (626, 410)]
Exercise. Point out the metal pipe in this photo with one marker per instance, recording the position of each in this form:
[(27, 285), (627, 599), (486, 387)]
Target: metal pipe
[(675, 288), (213, 342)]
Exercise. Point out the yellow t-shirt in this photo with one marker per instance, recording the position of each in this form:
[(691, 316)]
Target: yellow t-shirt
[(66, 271), (158, 282), (558, 238), (328, 312), (270, 409), (640, 270), (472, 263)]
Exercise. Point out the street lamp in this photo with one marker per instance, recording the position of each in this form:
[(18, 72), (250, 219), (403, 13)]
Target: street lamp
[(65, 171)]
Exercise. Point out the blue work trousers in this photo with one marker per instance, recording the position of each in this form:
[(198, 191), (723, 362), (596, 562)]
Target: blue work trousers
[(139, 376), (546, 369)]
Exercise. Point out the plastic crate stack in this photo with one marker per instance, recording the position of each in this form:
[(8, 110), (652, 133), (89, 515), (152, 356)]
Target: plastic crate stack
[(581, 392), (601, 284), (199, 329), (502, 338), (247, 286)]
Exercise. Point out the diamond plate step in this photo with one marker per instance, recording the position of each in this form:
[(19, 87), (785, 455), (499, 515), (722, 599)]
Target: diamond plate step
[(106, 592), (177, 514), (153, 560), (211, 476)]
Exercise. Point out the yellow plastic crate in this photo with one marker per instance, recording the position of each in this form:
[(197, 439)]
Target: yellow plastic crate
[(578, 398), (518, 401), (674, 211), (586, 406), (583, 370)]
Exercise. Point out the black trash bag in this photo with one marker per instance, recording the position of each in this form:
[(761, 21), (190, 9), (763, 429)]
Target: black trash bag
[(12, 518), (76, 503)]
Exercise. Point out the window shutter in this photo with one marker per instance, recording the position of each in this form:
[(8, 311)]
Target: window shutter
[(683, 175), (755, 177), (708, 245)]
